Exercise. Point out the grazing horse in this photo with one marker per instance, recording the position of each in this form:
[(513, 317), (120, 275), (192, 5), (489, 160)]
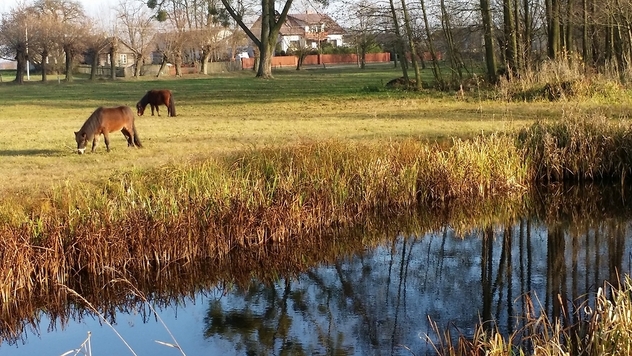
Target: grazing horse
[(154, 98), (106, 120)]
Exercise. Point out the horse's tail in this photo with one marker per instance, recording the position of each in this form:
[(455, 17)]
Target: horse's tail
[(172, 106), (136, 138)]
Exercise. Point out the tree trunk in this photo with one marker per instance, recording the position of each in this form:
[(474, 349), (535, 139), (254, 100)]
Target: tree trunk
[(455, 58), (363, 57), (553, 28), (585, 38), (20, 58), (609, 43), (528, 34), (519, 60), (113, 60), (44, 65), (69, 59), (510, 36), (400, 53), (94, 66), (178, 62), (163, 64), (435, 63), (138, 65), (618, 42), (411, 44), (265, 61), (569, 28), (206, 54), (490, 57)]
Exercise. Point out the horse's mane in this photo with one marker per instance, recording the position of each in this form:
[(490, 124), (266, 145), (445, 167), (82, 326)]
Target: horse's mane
[(92, 123), (145, 99)]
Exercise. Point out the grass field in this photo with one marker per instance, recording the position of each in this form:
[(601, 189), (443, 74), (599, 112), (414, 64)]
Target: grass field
[(224, 113)]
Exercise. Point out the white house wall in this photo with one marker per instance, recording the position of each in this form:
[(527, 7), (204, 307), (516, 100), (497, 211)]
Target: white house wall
[(286, 41), (337, 38)]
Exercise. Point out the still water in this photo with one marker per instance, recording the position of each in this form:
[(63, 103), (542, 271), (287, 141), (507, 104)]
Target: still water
[(371, 291)]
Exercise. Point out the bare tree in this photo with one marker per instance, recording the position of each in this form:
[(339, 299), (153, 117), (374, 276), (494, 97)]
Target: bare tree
[(72, 27), (271, 22), (43, 40), (13, 39), (137, 28), (401, 48), (490, 55), (411, 46), (366, 20), (95, 44)]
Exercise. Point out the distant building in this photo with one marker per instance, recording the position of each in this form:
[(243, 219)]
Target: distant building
[(8, 65), (306, 31)]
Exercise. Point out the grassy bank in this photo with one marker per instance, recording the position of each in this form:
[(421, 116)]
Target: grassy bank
[(223, 114)]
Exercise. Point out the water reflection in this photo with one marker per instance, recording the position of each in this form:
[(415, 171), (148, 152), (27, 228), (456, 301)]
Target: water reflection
[(372, 290), (379, 302)]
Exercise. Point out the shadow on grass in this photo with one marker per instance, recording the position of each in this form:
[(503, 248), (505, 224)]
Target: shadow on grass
[(43, 153)]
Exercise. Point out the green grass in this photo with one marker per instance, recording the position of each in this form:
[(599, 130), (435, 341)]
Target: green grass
[(225, 113)]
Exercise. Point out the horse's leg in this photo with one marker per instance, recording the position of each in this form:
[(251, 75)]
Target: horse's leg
[(94, 142), (128, 137), (106, 138), (152, 109)]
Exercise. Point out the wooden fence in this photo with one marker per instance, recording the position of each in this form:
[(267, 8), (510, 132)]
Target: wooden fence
[(320, 59)]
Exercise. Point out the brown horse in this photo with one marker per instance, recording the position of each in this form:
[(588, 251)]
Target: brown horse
[(106, 120), (154, 98)]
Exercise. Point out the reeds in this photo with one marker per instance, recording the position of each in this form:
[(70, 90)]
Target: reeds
[(605, 330), (563, 80), (578, 148)]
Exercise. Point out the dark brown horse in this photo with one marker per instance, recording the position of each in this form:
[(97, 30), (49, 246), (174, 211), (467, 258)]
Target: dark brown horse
[(154, 98), (106, 120)]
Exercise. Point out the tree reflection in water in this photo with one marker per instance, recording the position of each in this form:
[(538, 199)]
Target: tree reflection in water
[(373, 289), (379, 301)]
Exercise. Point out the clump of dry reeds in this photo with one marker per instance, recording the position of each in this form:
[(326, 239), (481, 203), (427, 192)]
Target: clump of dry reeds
[(578, 148), (601, 330), (562, 80)]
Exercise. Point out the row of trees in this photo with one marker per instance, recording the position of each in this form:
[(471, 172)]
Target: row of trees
[(46, 29), (517, 35), (52, 33)]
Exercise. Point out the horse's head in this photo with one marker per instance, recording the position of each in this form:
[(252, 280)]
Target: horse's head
[(140, 108), (82, 141)]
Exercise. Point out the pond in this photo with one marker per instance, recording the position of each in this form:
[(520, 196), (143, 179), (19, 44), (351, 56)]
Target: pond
[(376, 289)]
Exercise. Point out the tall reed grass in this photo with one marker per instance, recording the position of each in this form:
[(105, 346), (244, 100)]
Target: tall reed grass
[(578, 148), (605, 330), (564, 80)]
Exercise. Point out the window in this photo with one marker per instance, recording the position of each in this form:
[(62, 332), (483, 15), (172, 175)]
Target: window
[(122, 59)]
